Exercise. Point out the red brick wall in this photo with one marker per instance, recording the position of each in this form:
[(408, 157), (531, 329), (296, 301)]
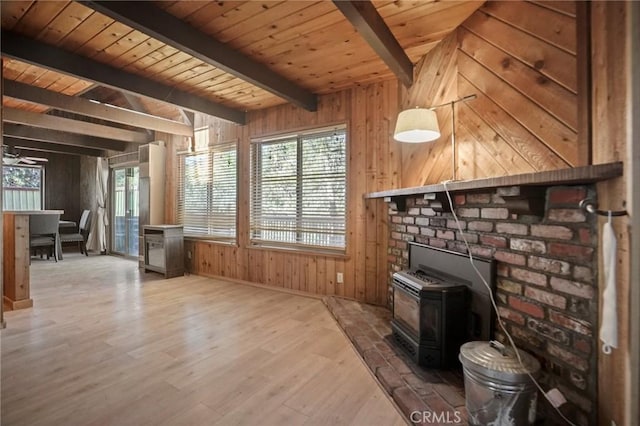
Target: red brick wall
[(546, 284)]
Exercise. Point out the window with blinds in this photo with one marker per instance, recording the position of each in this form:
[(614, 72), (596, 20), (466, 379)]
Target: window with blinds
[(298, 190), (207, 192)]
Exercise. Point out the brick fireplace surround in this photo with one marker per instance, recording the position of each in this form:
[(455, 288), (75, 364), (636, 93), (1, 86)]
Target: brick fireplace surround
[(546, 274)]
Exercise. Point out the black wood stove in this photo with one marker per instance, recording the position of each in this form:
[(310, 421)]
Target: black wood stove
[(439, 304)]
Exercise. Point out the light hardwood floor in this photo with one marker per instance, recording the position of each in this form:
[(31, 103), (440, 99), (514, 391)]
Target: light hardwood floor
[(106, 344)]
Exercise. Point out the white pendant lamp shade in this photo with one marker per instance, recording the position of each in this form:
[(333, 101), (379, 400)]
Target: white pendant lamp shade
[(417, 125)]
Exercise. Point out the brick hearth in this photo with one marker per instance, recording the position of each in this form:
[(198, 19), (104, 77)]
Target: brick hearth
[(414, 389), (546, 267)]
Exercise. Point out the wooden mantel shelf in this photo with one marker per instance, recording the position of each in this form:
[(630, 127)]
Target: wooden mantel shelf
[(576, 175)]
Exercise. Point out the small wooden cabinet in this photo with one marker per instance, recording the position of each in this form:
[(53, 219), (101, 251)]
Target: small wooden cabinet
[(163, 247)]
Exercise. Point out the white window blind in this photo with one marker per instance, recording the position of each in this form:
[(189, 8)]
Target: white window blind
[(207, 192), (298, 185)]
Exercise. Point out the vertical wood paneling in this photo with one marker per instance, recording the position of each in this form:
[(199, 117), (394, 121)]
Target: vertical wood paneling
[(611, 93), (357, 181), (373, 164)]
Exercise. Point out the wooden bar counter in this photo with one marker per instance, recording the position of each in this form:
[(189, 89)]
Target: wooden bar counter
[(15, 271)]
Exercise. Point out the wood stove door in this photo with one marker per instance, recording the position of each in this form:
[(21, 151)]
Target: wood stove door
[(419, 316), (406, 311)]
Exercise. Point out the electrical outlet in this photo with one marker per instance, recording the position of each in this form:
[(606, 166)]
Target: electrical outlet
[(188, 254), (339, 278)]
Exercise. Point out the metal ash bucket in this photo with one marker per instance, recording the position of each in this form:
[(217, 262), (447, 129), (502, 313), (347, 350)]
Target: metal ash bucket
[(498, 390)]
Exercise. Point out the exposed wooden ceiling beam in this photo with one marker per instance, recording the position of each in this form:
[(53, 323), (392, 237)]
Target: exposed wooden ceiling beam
[(62, 138), (163, 26), (14, 89), (367, 21), (136, 105), (52, 147), (47, 56), (187, 117), (35, 119)]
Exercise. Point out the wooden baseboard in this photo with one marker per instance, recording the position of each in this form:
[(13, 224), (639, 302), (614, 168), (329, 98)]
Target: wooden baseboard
[(17, 304)]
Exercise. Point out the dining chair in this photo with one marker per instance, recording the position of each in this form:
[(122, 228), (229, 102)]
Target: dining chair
[(43, 234), (83, 233)]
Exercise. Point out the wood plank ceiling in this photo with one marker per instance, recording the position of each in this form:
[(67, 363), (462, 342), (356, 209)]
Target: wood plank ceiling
[(304, 48)]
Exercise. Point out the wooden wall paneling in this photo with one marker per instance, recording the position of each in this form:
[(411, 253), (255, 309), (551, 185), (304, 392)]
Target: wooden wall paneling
[(369, 113), (278, 269), (387, 177), (213, 258), (62, 184), (547, 94), (507, 160), (373, 148), (610, 68), (231, 262), (321, 275), (301, 274), (312, 275), (357, 182), (216, 256), (442, 163), (287, 271), (555, 28), (475, 160), (566, 7), (330, 276), (558, 137), (434, 84), (535, 153), (554, 63), (251, 274), (199, 258), (583, 35)]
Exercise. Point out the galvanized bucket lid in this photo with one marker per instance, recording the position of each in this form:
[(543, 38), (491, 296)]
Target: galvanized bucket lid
[(496, 361)]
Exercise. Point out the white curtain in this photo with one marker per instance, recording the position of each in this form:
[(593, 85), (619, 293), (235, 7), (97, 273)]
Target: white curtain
[(98, 236)]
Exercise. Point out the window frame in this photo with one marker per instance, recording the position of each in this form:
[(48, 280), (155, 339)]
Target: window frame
[(210, 149), (255, 176), (42, 188)]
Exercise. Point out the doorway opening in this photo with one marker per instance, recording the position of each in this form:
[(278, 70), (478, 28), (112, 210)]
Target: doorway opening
[(126, 211)]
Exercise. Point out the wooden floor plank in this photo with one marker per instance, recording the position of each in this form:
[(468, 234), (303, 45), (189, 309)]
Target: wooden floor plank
[(106, 344)]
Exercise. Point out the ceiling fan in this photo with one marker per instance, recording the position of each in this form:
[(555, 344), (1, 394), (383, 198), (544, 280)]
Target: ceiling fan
[(11, 157)]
